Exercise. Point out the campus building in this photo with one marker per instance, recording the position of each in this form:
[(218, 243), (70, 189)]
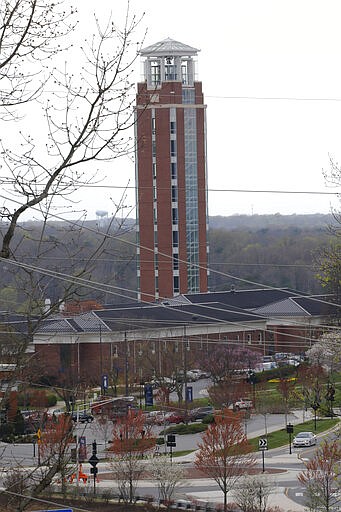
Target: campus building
[(129, 338), (171, 174)]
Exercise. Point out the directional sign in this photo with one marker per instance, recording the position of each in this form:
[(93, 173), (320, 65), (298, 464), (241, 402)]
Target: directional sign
[(263, 444)]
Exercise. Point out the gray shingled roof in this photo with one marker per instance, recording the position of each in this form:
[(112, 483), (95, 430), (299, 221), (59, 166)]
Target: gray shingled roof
[(167, 316), (168, 47), (245, 299), (57, 326), (300, 306), (286, 307)]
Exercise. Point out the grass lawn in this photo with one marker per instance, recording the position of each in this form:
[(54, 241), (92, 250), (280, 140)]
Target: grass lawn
[(281, 438)]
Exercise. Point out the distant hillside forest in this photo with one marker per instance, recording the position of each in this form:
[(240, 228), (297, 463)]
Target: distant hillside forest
[(271, 250)]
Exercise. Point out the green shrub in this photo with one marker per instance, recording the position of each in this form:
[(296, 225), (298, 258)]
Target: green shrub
[(192, 428), (277, 373), (208, 419), (7, 433), (51, 400)]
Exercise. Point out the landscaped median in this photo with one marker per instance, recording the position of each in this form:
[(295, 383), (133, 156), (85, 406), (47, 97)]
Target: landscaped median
[(280, 438), (275, 439)]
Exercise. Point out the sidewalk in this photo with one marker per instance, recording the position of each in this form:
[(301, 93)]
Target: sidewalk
[(274, 463)]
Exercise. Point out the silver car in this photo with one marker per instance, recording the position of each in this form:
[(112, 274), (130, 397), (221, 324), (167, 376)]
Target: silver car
[(304, 439)]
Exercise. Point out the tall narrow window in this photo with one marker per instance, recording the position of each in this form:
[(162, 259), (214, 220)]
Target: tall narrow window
[(173, 171), (174, 215), (174, 194), (155, 72), (173, 147), (175, 235)]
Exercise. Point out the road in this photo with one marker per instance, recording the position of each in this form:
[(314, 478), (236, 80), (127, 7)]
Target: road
[(287, 491), (285, 482)]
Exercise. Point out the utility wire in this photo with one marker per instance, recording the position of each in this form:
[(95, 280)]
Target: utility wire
[(252, 191), (80, 280), (151, 250)]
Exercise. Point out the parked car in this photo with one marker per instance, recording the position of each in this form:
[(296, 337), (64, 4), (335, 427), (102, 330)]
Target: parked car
[(174, 417), (242, 403), (200, 413), (153, 417), (82, 417), (304, 439), (56, 412), (200, 374), (190, 376)]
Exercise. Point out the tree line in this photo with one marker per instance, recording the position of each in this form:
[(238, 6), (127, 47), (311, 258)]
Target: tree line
[(280, 255)]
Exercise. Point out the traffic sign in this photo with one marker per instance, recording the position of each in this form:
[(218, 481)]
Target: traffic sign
[(171, 442), (93, 460), (263, 444)]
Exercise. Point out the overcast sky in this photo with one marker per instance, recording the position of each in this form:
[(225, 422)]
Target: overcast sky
[(271, 74)]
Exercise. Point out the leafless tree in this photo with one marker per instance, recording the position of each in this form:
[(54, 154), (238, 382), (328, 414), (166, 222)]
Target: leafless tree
[(30, 34), (252, 495), (224, 453), (132, 442), (56, 122), (328, 260), (25, 486), (168, 476), (322, 477), (84, 115)]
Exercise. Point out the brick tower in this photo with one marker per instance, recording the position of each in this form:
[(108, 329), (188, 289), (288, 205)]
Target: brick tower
[(171, 174)]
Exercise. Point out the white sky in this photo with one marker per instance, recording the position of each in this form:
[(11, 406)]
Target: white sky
[(262, 48), (256, 49)]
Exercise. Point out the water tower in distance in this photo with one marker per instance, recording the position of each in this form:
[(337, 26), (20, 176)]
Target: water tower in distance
[(102, 218)]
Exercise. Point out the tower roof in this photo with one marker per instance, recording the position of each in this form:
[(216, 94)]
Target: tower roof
[(168, 47)]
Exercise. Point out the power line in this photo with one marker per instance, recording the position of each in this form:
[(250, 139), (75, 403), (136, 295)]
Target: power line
[(132, 260), (233, 190), (274, 98), (110, 288)]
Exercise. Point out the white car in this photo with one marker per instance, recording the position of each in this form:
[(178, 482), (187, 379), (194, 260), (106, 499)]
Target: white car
[(304, 439), (243, 403)]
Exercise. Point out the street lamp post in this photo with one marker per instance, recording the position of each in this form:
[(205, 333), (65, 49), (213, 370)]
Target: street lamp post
[(290, 430), (185, 349), (330, 397), (126, 364), (315, 405)]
